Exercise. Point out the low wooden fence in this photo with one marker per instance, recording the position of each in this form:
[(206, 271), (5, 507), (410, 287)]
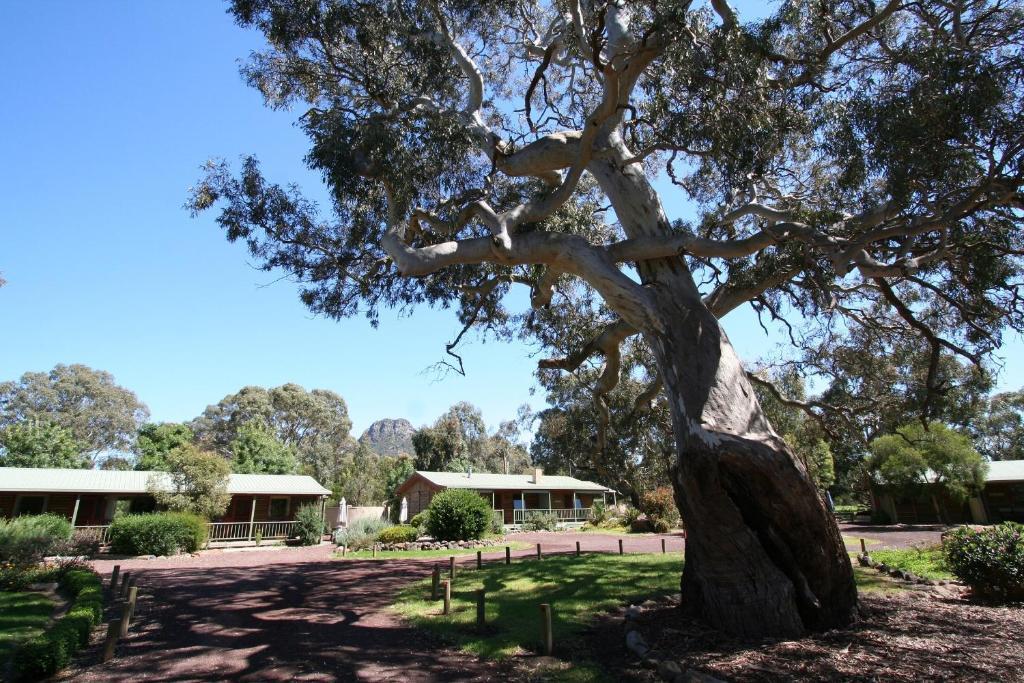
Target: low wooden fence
[(248, 531)]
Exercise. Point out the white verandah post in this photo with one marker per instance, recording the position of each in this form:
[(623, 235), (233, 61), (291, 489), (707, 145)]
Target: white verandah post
[(252, 517), (74, 513)]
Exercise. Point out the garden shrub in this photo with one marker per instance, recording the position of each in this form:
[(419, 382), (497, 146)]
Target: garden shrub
[(361, 533), (497, 524), (630, 515), (399, 534), (599, 513), (541, 521), (990, 560), (419, 520), (458, 515), (659, 506), (641, 525), (309, 524), (51, 651), (25, 541), (160, 533)]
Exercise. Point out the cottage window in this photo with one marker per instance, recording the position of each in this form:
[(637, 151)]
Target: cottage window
[(278, 508), (30, 505)]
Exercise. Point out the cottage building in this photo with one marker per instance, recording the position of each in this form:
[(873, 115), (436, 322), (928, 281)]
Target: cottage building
[(1000, 500), (263, 503), (514, 497)]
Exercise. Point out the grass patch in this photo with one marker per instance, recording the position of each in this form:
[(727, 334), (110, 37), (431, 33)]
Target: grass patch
[(577, 589), (618, 530), (855, 540), (22, 615), (927, 563), (870, 581), (412, 554)]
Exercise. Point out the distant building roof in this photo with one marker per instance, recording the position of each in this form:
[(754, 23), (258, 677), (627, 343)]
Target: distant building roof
[(488, 481), (1005, 470), (130, 481)]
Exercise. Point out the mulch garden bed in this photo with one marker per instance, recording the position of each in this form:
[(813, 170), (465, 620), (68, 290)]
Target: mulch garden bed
[(930, 633)]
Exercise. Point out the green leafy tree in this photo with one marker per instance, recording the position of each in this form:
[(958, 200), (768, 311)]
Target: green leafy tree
[(361, 480), (315, 423), (118, 463), (155, 441), (914, 458), (999, 430), (33, 444), (845, 164), (97, 412), (196, 482), (257, 451)]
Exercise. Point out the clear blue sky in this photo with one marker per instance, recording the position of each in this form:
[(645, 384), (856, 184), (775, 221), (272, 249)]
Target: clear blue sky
[(111, 108)]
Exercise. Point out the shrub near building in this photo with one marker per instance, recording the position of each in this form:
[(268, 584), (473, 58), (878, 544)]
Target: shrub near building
[(162, 533), (458, 515), (990, 560)]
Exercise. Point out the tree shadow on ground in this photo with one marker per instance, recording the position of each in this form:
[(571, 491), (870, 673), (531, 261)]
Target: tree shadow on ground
[(310, 621)]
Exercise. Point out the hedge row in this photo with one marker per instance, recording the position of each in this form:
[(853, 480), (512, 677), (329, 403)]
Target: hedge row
[(51, 651), (162, 533)]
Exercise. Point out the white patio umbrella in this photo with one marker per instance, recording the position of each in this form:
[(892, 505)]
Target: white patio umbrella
[(343, 513), (403, 514)]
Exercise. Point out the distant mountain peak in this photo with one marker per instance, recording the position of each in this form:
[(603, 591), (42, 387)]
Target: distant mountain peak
[(389, 436)]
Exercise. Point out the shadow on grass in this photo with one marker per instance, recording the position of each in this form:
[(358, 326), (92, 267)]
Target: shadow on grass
[(23, 614), (576, 588)]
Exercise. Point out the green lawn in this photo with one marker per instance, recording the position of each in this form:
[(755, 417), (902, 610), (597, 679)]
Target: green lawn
[(405, 554), (576, 588), (927, 563), (22, 615)]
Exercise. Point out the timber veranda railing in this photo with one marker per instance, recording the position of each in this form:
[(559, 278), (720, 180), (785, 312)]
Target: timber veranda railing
[(563, 515), (218, 531), (98, 532), (248, 531)]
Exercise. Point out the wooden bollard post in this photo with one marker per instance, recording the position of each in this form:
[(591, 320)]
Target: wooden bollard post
[(435, 582), (113, 577), (124, 584), (481, 609), (479, 560), (447, 596), (863, 547), (545, 628), (620, 546), (374, 551), (663, 546), (508, 555), (577, 548), (344, 550), (133, 595), (538, 551), (113, 629), (126, 615), (451, 568)]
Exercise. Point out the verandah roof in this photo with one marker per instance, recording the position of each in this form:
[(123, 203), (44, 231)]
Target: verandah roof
[(485, 481), (50, 480)]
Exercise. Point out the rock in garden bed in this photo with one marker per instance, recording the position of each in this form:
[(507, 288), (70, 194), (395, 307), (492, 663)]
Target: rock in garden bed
[(440, 545)]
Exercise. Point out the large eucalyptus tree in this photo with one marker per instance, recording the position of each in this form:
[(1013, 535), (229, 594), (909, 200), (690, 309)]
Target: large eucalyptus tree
[(839, 156)]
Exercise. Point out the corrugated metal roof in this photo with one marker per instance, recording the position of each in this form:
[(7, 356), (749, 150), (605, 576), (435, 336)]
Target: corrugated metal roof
[(115, 481), (487, 481), (1006, 470)]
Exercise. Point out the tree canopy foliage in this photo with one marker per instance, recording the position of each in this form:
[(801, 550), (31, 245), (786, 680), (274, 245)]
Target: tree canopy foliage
[(458, 440), (32, 444), (256, 450), (196, 481), (915, 457), (98, 414), (155, 441), (314, 423)]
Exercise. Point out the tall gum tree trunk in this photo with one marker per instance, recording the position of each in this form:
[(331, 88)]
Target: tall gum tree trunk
[(763, 554)]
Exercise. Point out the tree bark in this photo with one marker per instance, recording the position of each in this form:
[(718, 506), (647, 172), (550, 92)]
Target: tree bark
[(763, 555)]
